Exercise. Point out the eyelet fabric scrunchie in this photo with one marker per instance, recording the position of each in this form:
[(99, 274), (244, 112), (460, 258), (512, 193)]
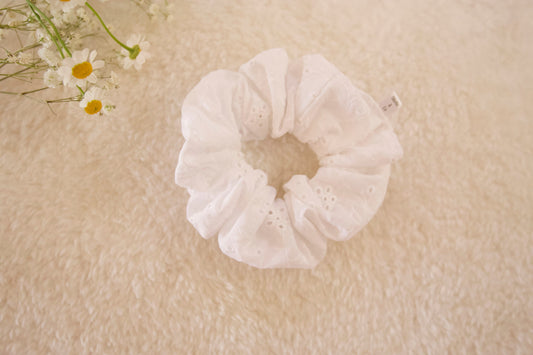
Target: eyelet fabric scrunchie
[(270, 96)]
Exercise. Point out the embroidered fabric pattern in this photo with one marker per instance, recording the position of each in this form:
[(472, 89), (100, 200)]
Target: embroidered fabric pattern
[(270, 96)]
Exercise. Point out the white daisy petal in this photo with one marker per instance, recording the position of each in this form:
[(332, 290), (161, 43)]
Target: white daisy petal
[(92, 78), (98, 64), (80, 56), (68, 61)]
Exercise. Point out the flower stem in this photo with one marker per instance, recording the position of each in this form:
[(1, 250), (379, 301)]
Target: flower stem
[(58, 36), (7, 76), (22, 93), (31, 46), (10, 8), (66, 99), (33, 9), (129, 49)]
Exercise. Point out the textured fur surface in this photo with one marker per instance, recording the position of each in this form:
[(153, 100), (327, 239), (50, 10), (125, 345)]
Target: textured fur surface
[(96, 255)]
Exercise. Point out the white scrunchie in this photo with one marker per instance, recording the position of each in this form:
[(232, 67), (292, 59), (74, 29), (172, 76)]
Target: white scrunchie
[(269, 95)]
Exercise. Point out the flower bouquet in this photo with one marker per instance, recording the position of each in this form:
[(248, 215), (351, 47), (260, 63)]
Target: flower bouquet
[(53, 48)]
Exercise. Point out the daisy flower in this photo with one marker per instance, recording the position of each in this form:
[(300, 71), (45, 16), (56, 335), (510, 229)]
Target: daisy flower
[(112, 82), (79, 69), (51, 78), (65, 5), (94, 102), (139, 53), (49, 56), (40, 36)]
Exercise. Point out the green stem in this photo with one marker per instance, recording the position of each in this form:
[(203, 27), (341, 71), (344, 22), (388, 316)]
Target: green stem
[(66, 99), (129, 49), (32, 7), (20, 75), (22, 93), (58, 36), (15, 73), (31, 46), (11, 7)]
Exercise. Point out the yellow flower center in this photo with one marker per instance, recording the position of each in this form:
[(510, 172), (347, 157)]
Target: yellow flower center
[(93, 107), (64, 0), (82, 70)]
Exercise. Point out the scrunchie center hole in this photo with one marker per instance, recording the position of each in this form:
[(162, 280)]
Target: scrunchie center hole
[(281, 159)]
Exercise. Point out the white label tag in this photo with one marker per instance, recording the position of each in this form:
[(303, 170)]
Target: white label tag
[(391, 104)]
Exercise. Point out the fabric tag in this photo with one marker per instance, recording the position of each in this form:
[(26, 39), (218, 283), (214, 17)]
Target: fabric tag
[(390, 104)]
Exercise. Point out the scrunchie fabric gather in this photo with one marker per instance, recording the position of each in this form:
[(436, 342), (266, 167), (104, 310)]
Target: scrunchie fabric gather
[(270, 96)]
